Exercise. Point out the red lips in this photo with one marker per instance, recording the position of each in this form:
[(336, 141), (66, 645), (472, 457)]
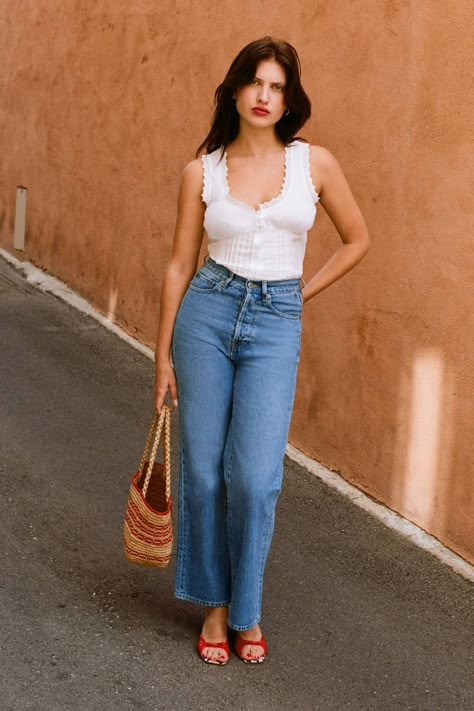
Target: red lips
[(260, 110)]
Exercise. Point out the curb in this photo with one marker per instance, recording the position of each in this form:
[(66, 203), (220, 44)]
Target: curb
[(48, 283), (390, 518)]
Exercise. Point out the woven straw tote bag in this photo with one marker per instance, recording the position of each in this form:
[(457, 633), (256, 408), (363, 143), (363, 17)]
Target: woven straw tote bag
[(148, 528)]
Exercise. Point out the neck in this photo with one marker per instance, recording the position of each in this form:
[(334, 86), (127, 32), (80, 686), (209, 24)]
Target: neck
[(250, 141)]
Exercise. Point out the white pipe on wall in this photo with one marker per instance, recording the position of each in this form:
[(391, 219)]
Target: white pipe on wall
[(20, 217)]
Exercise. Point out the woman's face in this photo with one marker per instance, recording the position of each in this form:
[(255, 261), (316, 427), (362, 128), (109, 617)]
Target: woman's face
[(262, 101)]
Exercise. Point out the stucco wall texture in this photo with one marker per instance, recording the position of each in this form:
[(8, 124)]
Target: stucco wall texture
[(103, 102)]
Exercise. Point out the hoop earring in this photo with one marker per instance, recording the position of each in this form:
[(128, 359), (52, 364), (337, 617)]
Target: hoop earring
[(286, 112)]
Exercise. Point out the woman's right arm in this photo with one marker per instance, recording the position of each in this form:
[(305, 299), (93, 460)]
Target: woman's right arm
[(179, 272)]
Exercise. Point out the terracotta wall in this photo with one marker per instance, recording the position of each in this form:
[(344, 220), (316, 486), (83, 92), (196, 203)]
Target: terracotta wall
[(103, 102)]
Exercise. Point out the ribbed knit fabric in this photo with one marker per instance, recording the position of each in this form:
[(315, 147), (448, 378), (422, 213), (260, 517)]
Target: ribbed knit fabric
[(267, 243)]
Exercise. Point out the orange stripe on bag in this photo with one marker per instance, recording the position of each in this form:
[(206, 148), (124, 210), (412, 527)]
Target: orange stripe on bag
[(148, 527)]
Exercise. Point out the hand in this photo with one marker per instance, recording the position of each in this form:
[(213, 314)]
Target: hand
[(165, 380)]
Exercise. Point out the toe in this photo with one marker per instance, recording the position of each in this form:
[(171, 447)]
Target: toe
[(255, 652), (215, 655)]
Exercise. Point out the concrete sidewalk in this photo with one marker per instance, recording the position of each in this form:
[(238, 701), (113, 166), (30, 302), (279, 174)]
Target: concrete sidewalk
[(356, 617)]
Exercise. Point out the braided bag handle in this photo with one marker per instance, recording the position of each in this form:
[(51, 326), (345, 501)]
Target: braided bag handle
[(164, 419)]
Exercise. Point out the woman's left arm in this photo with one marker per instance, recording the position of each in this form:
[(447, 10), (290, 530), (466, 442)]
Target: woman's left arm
[(338, 201)]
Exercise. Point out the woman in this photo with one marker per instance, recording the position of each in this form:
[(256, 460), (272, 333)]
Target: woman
[(229, 336)]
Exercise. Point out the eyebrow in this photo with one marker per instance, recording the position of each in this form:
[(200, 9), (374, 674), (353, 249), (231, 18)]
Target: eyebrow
[(280, 83)]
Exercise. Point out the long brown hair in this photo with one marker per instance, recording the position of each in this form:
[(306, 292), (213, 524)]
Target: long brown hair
[(225, 120)]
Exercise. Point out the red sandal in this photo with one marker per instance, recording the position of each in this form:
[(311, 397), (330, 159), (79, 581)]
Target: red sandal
[(240, 643), (202, 644)]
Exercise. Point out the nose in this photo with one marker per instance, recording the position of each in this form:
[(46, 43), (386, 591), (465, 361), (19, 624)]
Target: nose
[(263, 95)]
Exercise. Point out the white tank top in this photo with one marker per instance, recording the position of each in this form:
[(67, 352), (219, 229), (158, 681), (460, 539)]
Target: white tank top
[(267, 243)]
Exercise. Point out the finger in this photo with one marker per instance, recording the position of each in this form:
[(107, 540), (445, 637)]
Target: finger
[(159, 399), (174, 393)]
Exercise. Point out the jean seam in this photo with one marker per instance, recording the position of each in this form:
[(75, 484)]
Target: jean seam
[(202, 274), (229, 515), (269, 305), (181, 497), (200, 601), (243, 628), (220, 271), (234, 344), (200, 290), (261, 566), (265, 550)]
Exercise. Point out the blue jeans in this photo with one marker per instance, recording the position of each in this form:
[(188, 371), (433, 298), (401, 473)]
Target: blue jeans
[(235, 351)]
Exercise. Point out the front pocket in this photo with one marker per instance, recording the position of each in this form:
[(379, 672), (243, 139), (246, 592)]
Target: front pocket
[(288, 305), (203, 282)]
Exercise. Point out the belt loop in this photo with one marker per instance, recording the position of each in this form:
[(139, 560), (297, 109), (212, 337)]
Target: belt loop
[(264, 291), (225, 282)]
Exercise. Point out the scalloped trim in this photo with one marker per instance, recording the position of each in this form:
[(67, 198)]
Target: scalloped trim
[(307, 164), (204, 179), (261, 205)]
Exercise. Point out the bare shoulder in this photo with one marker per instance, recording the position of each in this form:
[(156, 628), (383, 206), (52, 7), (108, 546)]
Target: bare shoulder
[(324, 167), (193, 171), (192, 176), (322, 159)]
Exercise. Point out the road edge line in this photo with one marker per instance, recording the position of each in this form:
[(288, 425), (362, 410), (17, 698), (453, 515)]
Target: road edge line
[(386, 515)]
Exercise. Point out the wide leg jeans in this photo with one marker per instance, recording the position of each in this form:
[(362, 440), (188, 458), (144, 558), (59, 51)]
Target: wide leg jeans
[(235, 351)]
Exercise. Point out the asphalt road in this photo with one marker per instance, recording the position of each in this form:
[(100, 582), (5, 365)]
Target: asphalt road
[(356, 617)]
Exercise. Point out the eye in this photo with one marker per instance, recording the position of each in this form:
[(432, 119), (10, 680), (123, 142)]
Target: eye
[(277, 87), (254, 81)]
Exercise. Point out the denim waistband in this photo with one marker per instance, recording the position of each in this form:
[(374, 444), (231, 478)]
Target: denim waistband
[(227, 274)]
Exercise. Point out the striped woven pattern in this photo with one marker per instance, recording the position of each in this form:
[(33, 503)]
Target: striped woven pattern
[(148, 529)]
